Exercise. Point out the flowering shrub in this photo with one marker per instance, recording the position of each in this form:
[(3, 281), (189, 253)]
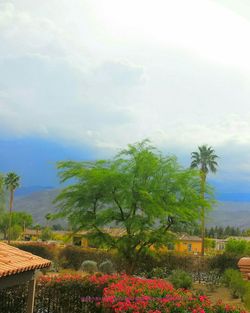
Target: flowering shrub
[(115, 293), (138, 295)]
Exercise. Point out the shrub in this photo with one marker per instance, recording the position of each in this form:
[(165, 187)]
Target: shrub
[(246, 297), (107, 267), (131, 294), (89, 266), (233, 280), (46, 234), (236, 246), (224, 261), (158, 272), (181, 279), (43, 250)]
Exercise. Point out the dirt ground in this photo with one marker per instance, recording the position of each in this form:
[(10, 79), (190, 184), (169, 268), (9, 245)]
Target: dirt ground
[(219, 293)]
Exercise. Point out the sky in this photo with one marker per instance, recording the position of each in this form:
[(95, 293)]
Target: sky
[(94, 75)]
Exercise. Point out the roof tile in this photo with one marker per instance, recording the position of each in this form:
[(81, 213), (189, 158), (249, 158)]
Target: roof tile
[(14, 261)]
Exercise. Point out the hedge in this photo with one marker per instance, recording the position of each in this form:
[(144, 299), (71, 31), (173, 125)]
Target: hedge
[(71, 257)]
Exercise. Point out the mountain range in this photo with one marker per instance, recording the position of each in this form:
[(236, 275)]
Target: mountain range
[(38, 201)]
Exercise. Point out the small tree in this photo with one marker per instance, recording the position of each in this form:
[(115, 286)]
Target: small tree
[(46, 234), (140, 192), (237, 246)]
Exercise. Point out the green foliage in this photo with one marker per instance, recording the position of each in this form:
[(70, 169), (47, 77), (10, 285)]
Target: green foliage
[(2, 194), (142, 192), (246, 297), (72, 257), (233, 280), (238, 247), (46, 234), (224, 232), (107, 267), (205, 158), (20, 220), (209, 243), (12, 181), (224, 261), (15, 231), (158, 272), (43, 250), (181, 279), (89, 266)]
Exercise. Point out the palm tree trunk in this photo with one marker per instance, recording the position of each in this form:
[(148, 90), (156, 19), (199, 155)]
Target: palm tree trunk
[(10, 214), (203, 181)]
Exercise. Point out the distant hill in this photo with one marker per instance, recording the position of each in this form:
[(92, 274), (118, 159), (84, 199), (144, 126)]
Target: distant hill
[(226, 213), (231, 213), (38, 204), (25, 191)]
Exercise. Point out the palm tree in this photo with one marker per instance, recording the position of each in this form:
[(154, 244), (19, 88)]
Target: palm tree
[(205, 161), (2, 194), (12, 182)]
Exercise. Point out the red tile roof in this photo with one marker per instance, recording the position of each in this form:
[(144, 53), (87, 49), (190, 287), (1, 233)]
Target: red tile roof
[(14, 261)]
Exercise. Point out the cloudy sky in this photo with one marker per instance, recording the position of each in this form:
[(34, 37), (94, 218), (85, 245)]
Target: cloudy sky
[(105, 73)]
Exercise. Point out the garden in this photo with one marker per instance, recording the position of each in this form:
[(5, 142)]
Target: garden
[(118, 293)]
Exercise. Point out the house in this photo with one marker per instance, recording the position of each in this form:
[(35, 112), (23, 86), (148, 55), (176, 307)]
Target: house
[(186, 244), (183, 244), (19, 267), (220, 244)]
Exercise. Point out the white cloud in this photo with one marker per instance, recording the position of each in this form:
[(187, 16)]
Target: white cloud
[(111, 72)]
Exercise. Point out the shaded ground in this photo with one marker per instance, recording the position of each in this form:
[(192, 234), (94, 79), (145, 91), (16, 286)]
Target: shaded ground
[(219, 293)]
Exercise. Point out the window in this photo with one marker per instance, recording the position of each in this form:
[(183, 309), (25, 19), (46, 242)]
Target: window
[(189, 247)]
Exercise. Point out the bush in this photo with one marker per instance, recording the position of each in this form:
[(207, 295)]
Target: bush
[(155, 296), (45, 251), (89, 266), (72, 257), (157, 272), (224, 261), (181, 279), (233, 280), (237, 246), (107, 267), (246, 297), (46, 234)]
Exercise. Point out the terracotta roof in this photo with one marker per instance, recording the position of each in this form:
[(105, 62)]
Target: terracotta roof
[(185, 237), (14, 261)]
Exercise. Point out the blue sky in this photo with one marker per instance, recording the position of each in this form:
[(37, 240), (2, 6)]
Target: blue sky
[(84, 78)]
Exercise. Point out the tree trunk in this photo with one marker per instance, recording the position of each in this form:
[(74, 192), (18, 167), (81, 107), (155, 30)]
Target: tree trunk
[(203, 181), (10, 214)]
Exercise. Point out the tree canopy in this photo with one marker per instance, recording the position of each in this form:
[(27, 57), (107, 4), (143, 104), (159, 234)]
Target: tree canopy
[(140, 191)]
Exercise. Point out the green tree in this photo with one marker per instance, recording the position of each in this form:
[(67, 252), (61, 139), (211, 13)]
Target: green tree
[(12, 182), (140, 192), (205, 161), (46, 234), (20, 219), (237, 246), (48, 218)]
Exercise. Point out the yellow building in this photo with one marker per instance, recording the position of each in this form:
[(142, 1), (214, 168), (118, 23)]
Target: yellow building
[(186, 244), (183, 243)]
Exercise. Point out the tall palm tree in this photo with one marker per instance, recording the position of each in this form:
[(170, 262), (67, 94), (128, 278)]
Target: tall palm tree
[(2, 194), (12, 182), (205, 161)]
